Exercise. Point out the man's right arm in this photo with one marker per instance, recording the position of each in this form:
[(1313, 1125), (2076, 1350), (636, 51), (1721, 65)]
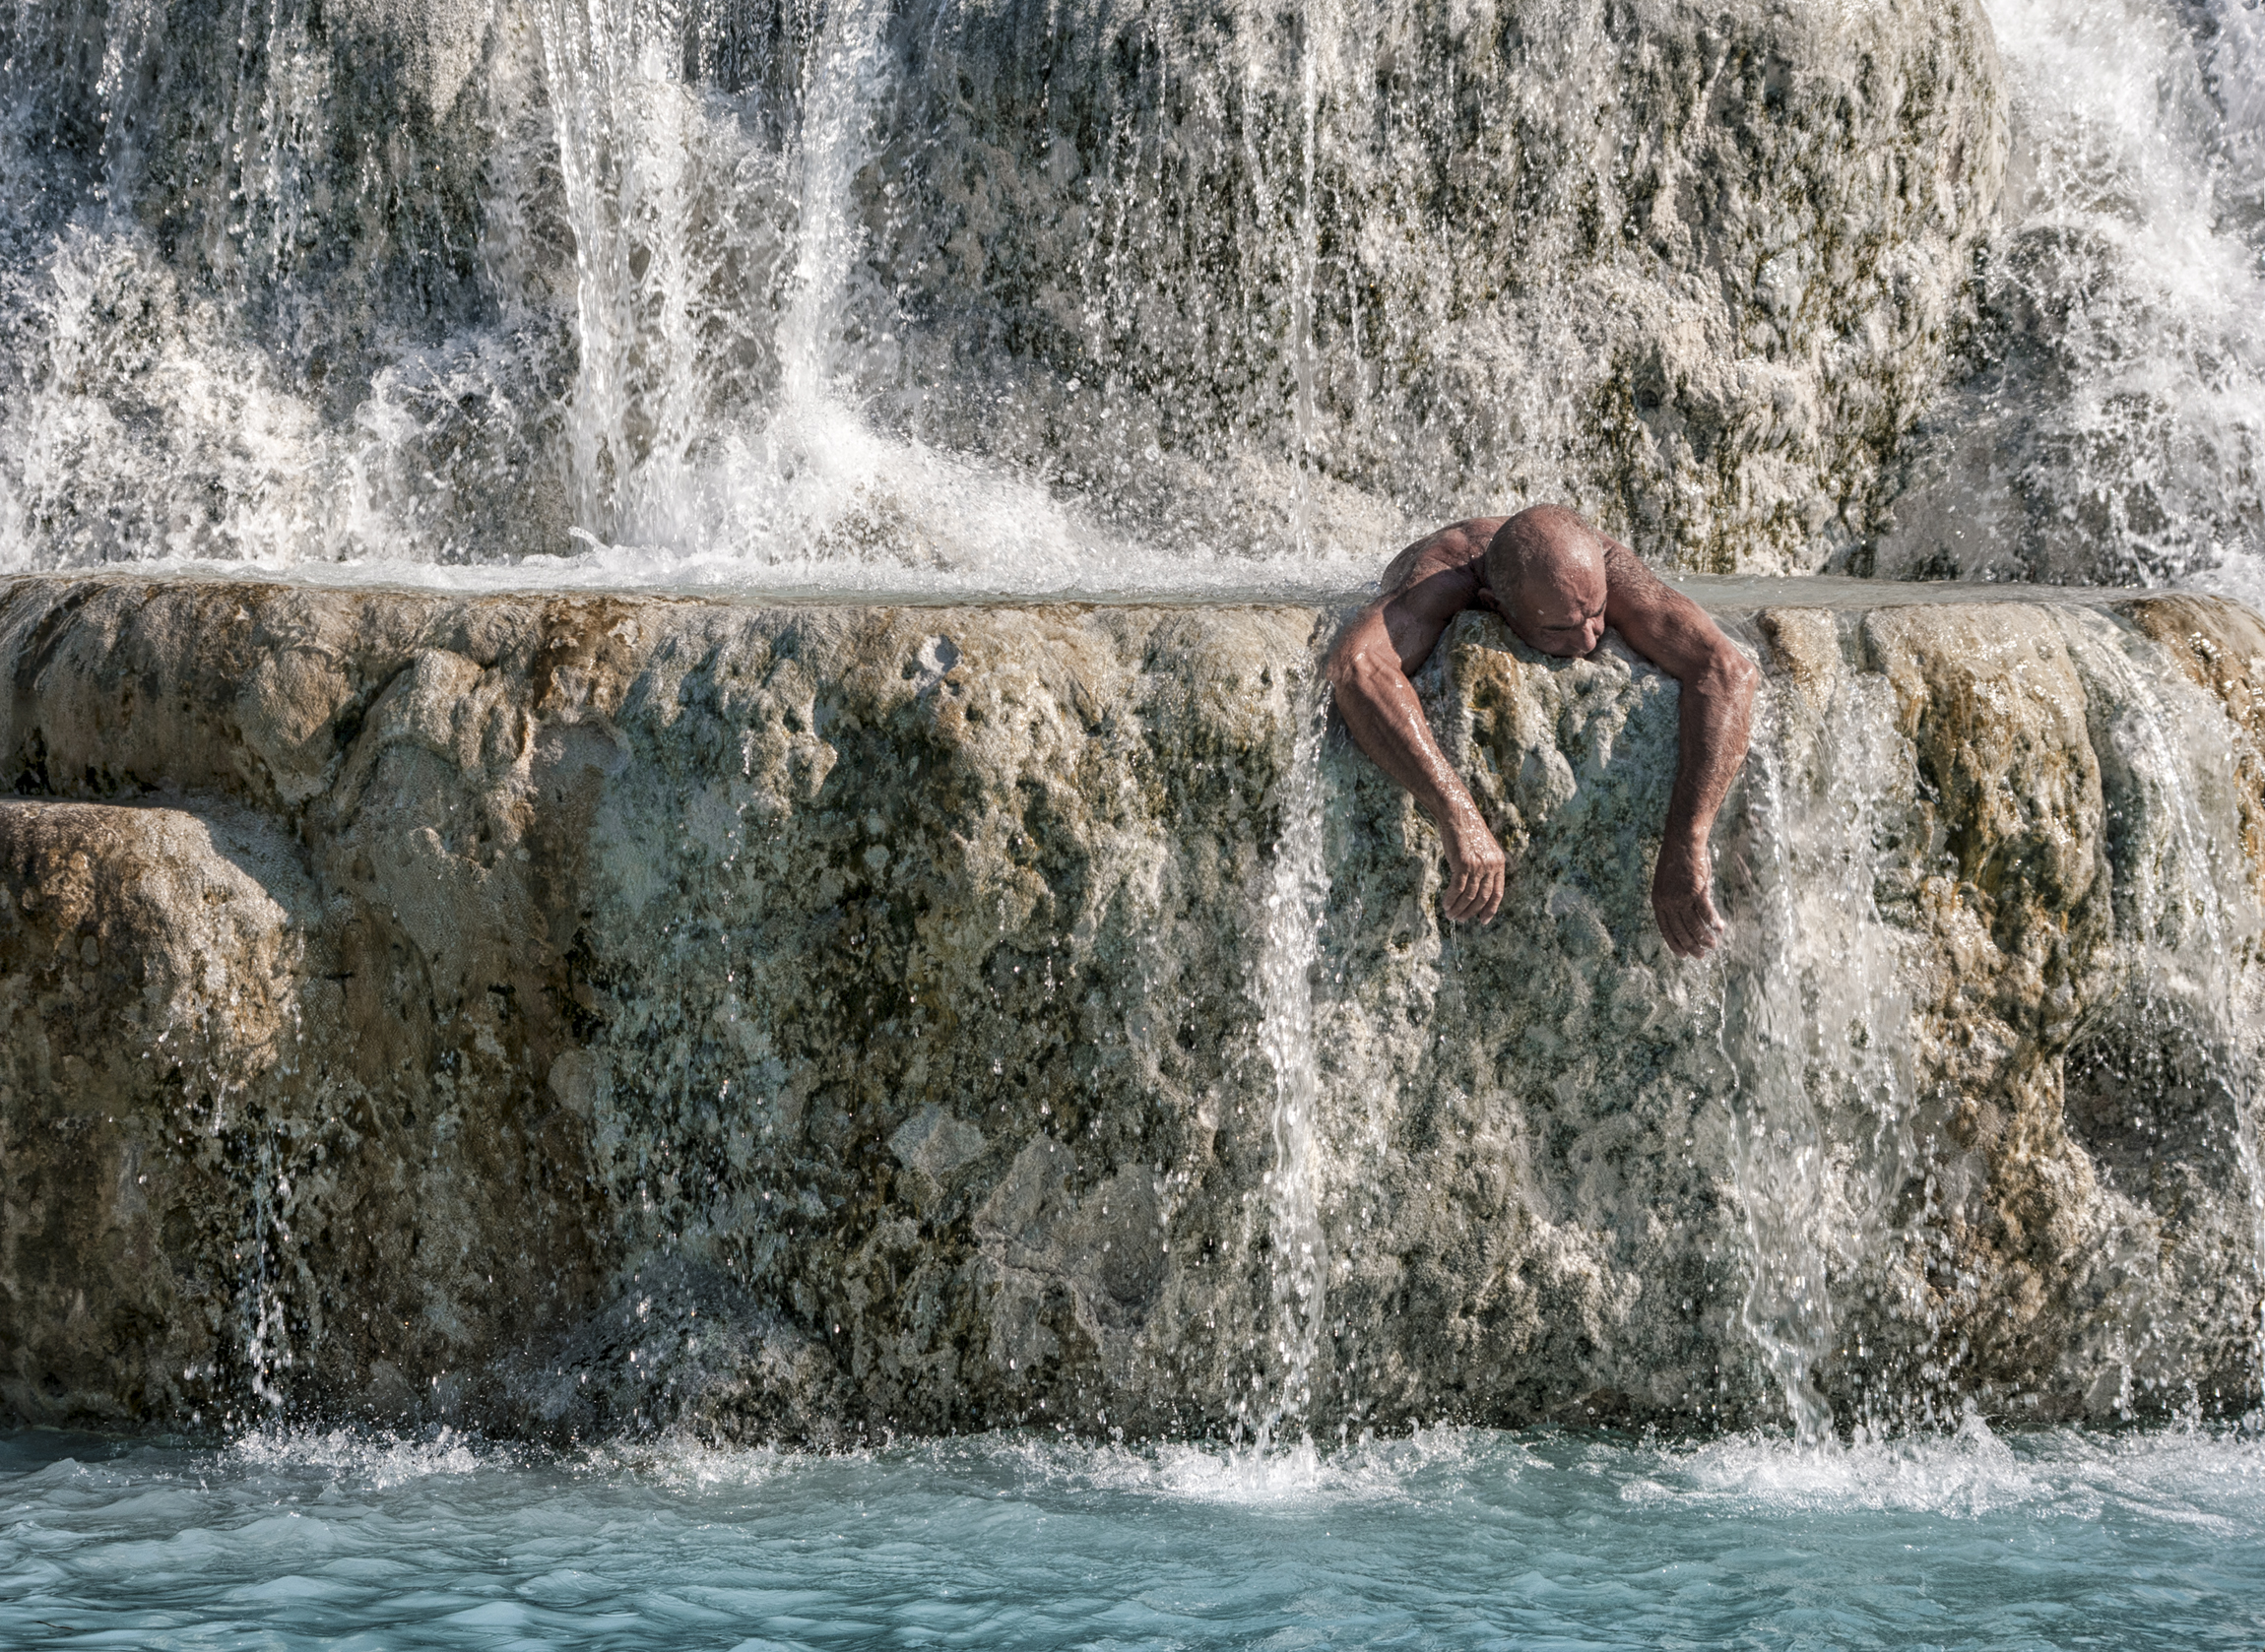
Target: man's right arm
[(1425, 588)]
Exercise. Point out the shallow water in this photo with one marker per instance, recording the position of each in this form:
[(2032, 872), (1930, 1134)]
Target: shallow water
[(1452, 1537)]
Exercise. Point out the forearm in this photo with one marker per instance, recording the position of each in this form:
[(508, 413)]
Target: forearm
[(1714, 727), (1387, 720), (1369, 673)]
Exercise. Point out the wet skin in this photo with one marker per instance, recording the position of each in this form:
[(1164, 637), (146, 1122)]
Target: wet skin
[(1562, 607)]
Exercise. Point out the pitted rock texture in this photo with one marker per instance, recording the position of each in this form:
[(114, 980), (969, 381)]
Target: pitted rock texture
[(511, 268), (1697, 268), (573, 1014)]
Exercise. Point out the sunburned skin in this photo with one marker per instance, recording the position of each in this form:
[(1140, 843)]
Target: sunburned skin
[(1560, 583)]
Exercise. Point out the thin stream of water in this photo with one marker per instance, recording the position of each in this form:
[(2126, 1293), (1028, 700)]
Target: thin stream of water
[(1776, 1142), (1296, 904), (1815, 1029)]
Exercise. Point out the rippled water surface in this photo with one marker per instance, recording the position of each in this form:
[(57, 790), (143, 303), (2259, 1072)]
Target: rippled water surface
[(1453, 1538)]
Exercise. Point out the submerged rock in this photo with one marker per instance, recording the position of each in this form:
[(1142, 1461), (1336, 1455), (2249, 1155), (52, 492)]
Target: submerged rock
[(576, 1014)]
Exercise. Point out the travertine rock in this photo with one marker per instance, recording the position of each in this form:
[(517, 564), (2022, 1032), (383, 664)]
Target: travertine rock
[(144, 952), (2221, 647), (1697, 268), (1213, 272), (581, 1013)]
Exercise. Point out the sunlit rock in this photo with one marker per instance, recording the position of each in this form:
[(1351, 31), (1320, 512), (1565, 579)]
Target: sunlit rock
[(885, 286), (150, 955), (578, 1014)]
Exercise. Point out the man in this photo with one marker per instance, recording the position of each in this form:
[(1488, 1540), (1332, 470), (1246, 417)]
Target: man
[(1560, 583)]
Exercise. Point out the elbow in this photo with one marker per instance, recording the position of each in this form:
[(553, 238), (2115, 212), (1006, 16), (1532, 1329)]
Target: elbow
[(1351, 667), (1733, 676), (1725, 685)]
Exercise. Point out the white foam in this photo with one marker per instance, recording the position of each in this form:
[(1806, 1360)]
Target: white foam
[(1966, 1474), (1251, 1476), (375, 1461)]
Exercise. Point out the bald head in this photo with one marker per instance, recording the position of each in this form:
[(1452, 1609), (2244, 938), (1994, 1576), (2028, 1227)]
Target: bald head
[(1546, 569)]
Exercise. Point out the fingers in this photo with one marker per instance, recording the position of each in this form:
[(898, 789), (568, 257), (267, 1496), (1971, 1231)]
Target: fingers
[(1467, 890), (1475, 886), (1675, 931), (1676, 928), (1456, 895), (1689, 923), (1474, 893), (1490, 892)]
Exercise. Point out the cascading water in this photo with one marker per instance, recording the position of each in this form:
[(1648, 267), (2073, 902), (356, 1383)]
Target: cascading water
[(1814, 1027), (1169, 298), (2112, 431), (627, 140), (1192, 294), (673, 220), (267, 1350), (580, 1040), (1296, 906), (2193, 908), (1778, 1146)]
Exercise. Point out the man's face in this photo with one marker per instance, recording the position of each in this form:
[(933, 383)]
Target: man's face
[(1562, 615)]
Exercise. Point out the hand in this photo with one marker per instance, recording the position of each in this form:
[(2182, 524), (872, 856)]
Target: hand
[(1684, 903), (1475, 870)]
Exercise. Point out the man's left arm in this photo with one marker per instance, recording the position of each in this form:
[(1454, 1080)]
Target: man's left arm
[(1718, 701)]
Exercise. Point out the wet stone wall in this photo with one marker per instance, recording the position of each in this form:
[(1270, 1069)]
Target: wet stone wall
[(574, 1014)]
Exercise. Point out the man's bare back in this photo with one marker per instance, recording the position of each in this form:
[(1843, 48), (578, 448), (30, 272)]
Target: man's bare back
[(1564, 583)]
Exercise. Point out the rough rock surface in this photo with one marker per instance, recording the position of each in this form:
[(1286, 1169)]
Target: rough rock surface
[(1695, 267), (569, 1013), (509, 270)]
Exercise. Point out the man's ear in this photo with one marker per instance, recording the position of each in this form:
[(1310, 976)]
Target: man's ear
[(1485, 600)]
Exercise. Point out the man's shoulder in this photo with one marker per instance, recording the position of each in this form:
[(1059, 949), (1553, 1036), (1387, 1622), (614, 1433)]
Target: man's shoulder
[(1470, 536), (1627, 574), (1458, 552)]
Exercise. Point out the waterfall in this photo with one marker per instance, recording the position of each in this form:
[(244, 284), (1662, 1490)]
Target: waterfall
[(1297, 898), (2113, 431), (1182, 315), (2191, 908), (648, 160), (1814, 1026), (837, 120), (939, 296), (1777, 1144), (626, 134)]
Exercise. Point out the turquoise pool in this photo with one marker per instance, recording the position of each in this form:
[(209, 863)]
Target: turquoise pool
[(1451, 1537)]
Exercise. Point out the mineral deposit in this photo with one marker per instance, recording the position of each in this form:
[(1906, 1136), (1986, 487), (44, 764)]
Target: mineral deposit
[(570, 1014), (447, 280)]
